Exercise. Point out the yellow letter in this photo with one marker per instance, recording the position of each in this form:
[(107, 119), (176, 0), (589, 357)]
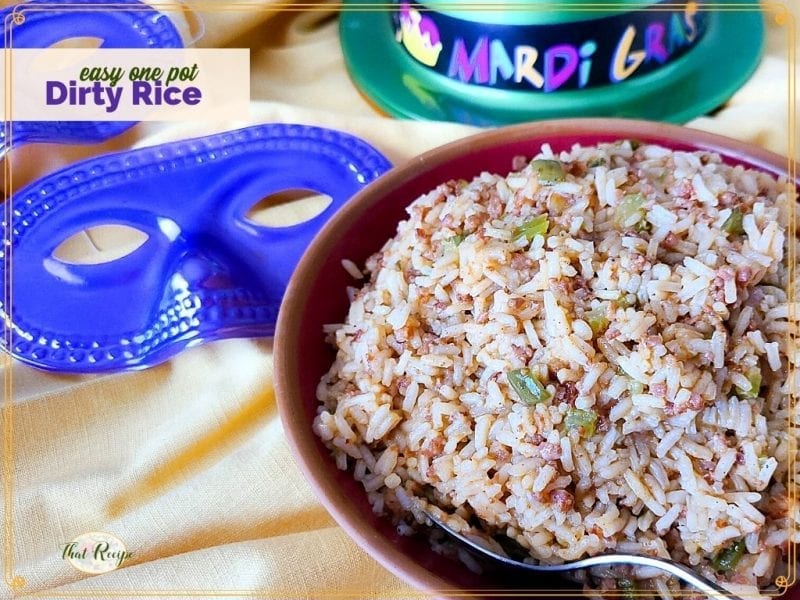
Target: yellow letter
[(691, 11), (524, 59), (626, 62)]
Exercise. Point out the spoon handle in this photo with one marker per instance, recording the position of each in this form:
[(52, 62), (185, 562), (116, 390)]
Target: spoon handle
[(682, 572)]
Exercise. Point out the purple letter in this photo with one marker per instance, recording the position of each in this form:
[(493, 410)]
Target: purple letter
[(192, 96), (52, 88), (476, 64), (654, 42), (141, 93), (555, 79)]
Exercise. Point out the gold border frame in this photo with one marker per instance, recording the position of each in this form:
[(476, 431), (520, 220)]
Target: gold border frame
[(782, 16)]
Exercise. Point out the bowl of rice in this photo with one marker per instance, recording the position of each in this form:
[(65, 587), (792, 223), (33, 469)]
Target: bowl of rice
[(571, 336)]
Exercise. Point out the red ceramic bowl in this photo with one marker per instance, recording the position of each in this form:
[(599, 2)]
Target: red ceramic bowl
[(316, 296)]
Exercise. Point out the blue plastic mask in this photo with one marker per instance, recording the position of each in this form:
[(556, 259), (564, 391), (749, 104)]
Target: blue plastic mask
[(205, 272)]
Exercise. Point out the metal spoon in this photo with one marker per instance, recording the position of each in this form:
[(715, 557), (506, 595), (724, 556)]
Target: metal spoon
[(682, 572)]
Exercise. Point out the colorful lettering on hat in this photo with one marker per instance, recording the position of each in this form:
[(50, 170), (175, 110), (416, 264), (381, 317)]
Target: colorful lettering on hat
[(551, 57)]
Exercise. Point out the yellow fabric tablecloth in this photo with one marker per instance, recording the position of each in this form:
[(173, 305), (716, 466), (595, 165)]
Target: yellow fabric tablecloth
[(187, 463)]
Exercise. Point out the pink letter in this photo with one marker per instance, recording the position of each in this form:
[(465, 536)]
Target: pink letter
[(465, 66), (654, 42), (554, 79)]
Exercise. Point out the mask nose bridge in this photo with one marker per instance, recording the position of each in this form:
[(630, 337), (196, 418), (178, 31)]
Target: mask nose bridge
[(267, 255)]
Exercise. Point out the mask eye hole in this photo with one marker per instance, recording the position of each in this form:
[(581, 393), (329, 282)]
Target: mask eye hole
[(288, 207), (79, 42), (83, 47), (99, 245)]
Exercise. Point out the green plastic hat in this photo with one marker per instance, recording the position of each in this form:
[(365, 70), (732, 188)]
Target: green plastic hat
[(491, 65)]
